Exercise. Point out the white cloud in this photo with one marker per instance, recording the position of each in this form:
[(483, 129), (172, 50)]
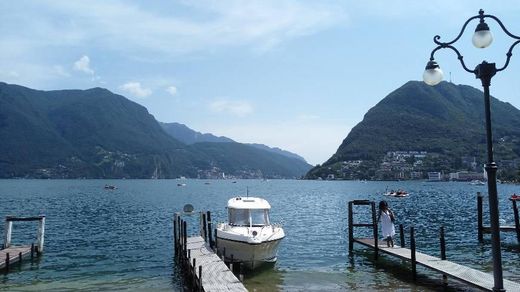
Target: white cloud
[(60, 71), (172, 90), (83, 65), (236, 108), (136, 89), (142, 29)]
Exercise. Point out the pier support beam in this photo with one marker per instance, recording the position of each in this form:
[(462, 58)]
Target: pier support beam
[(517, 221), (412, 248), (479, 216)]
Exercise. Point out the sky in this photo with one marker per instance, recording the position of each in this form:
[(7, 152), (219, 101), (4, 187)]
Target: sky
[(291, 74)]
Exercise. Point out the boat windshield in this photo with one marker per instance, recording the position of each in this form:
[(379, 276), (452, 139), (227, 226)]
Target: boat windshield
[(259, 217), (239, 217), (248, 217)]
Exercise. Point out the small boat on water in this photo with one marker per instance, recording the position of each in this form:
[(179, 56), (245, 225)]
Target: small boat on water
[(181, 184), (249, 236), (110, 187), (398, 193), (477, 182), (515, 197)]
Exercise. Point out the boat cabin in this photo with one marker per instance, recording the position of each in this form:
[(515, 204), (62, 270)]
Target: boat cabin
[(250, 212)]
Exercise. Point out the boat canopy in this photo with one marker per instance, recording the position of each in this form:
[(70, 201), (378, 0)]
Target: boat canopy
[(248, 203)]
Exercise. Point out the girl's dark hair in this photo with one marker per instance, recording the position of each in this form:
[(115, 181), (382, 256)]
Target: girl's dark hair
[(383, 205)]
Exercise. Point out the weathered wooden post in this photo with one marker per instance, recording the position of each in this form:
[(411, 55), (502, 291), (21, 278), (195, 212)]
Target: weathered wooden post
[(8, 231), (443, 253), (175, 233), (443, 243), (41, 233), (241, 272), (350, 228), (200, 278), (412, 247), (479, 216), (20, 258), (204, 227), (210, 235), (517, 221), (185, 235), (194, 273), (32, 250), (375, 230), (231, 263), (401, 234), (7, 259)]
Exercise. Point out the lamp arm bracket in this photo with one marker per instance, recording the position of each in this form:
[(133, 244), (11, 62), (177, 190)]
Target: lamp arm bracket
[(502, 26), (459, 56), (509, 54), (437, 37)]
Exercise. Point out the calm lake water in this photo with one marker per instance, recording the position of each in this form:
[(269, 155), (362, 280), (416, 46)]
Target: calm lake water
[(121, 239)]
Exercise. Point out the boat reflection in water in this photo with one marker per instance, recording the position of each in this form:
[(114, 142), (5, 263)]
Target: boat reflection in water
[(248, 236)]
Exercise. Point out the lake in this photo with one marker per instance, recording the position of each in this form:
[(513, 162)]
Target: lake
[(121, 239)]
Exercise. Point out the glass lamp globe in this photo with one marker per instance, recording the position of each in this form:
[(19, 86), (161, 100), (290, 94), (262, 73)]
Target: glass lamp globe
[(483, 36), (432, 74)]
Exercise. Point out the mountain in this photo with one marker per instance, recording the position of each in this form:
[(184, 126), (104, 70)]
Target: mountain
[(84, 133), (250, 162), (97, 134), (446, 121), (188, 136), (278, 151)]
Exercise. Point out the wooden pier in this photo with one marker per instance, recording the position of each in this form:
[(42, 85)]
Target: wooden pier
[(456, 271), (9, 254), (505, 228), (203, 269)]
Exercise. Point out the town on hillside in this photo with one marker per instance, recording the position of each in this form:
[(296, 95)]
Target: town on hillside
[(418, 165)]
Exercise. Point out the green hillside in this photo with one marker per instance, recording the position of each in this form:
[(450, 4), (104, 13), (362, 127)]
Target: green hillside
[(97, 134), (446, 120)]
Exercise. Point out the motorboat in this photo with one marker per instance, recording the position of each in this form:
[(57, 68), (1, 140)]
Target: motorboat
[(110, 187), (398, 193), (249, 236), (477, 182)]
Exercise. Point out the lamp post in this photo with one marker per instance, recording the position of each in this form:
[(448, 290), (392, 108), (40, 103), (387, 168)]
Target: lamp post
[(483, 71)]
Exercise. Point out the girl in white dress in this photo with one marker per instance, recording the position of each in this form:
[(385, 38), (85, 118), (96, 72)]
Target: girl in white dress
[(386, 217)]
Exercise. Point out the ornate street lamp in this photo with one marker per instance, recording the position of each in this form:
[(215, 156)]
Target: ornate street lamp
[(483, 71)]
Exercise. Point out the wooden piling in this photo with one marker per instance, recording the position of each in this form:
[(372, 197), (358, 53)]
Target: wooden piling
[(41, 233), (210, 235), (401, 234), (204, 227), (7, 232), (517, 221), (375, 229), (7, 262), (184, 235), (479, 216), (241, 272), (413, 258), (350, 228), (443, 253), (443, 244)]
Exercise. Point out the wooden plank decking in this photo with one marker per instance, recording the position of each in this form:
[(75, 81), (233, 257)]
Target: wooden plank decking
[(215, 274), (462, 273), (14, 254)]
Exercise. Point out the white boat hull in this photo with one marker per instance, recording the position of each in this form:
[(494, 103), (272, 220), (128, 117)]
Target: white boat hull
[(251, 254)]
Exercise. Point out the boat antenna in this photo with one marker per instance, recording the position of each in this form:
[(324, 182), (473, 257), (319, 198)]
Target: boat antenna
[(247, 192)]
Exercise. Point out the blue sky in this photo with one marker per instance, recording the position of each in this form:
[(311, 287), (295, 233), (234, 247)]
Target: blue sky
[(292, 74)]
